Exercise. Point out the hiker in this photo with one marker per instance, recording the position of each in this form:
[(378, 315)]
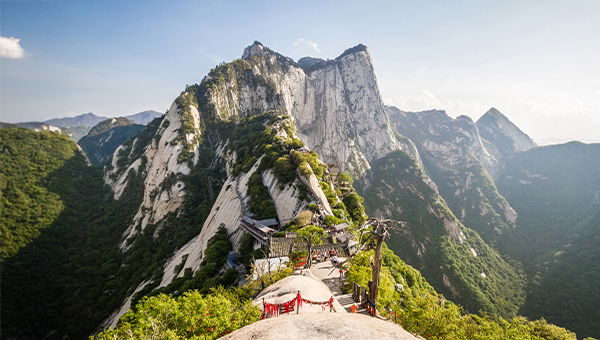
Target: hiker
[(335, 260)]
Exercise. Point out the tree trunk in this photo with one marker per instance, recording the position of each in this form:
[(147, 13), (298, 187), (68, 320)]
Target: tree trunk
[(309, 253), (376, 265)]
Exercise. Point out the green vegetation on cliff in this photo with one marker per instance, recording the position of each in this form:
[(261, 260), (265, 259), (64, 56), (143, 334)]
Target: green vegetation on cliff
[(76, 262)]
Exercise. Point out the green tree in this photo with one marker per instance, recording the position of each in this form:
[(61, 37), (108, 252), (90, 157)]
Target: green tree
[(344, 178), (312, 235)]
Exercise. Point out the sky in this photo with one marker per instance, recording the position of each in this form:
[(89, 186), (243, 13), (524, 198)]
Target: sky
[(538, 62)]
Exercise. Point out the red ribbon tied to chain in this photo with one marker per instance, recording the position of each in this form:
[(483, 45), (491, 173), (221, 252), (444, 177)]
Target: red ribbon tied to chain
[(272, 309)]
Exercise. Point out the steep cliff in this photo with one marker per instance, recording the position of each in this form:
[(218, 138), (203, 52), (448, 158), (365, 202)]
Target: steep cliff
[(459, 162), (336, 106), (213, 169)]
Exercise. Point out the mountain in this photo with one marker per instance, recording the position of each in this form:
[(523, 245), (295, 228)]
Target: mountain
[(91, 119), (500, 131), (459, 161), (339, 114), (144, 117), (84, 119), (104, 138), (266, 137), (556, 192)]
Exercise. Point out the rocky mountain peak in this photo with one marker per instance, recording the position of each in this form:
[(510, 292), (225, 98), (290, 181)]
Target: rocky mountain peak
[(355, 49), (256, 49), (335, 103), (504, 134)]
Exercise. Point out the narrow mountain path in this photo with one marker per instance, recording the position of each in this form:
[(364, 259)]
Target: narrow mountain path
[(330, 276)]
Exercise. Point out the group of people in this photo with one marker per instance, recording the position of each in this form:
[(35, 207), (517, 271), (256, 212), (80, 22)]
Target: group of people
[(320, 256)]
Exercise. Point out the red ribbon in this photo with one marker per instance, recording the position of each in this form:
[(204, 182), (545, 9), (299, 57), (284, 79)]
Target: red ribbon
[(272, 309)]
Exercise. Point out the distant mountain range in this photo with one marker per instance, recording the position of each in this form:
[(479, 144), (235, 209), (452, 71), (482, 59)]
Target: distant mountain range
[(78, 126), (90, 119)]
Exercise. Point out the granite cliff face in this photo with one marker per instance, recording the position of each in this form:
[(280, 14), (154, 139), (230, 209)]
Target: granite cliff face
[(153, 157), (336, 104), (193, 172)]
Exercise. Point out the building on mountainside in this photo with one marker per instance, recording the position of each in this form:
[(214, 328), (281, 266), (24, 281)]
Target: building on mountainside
[(269, 222), (338, 229), (258, 230)]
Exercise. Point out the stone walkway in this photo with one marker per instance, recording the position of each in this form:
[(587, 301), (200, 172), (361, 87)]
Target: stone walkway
[(330, 276)]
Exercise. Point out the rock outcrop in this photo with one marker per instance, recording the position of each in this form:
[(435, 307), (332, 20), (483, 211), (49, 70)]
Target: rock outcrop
[(337, 106)]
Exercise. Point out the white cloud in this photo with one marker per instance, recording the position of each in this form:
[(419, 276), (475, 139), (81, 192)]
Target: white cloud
[(10, 48), (310, 44)]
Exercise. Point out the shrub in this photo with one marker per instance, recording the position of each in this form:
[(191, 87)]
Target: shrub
[(192, 315), (331, 221), (313, 207), (353, 203), (303, 218), (260, 203)]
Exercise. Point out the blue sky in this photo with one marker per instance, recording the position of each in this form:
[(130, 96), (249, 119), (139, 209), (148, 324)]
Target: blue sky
[(536, 61)]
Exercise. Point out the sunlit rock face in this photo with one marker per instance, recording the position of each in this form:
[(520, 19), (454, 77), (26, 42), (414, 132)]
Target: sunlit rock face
[(336, 103)]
